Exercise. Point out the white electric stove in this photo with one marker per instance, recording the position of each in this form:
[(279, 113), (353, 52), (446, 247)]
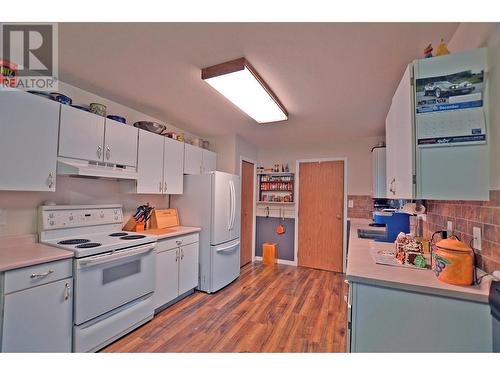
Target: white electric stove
[(113, 270)]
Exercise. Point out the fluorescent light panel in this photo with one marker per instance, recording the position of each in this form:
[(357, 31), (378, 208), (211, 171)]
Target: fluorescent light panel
[(245, 89)]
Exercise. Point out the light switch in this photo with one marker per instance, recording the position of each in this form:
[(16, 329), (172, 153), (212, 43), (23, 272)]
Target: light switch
[(350, 203), (449, 227), (476, 235)]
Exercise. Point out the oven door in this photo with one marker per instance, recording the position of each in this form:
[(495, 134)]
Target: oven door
[(106, 281)]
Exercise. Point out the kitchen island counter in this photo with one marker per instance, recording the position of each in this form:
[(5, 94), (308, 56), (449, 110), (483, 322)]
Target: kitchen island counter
[(362, 268)]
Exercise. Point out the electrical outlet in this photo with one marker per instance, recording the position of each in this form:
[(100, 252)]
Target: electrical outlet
[(476, 235), (3, 217), (449, 227), (350, 203)]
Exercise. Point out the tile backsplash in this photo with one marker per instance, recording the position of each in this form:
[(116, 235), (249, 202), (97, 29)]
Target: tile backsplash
[(465, 215), (362, 207)]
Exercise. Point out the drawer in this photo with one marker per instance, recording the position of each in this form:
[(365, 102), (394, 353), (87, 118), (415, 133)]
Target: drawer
[(28, 277), (174, 242)]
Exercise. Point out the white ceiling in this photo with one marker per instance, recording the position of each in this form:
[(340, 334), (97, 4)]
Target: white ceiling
[(335, 79)]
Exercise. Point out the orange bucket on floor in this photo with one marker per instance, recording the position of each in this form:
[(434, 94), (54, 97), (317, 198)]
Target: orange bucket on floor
[(269, 253)]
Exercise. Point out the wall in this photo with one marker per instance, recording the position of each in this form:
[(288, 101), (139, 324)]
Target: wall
[(465, 215), (20, 208), (230, 149), (358, 153)]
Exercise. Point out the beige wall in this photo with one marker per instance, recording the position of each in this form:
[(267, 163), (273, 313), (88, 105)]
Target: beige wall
[(230, 149), (357, 152)]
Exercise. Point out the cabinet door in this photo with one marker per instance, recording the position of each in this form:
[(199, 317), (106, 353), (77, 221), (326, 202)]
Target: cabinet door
[(167, 277), (150, 163), (173, 167), (188, 268), (28, 141), (390, 154), (209, 161), (120, 143), (81, 134), (39, 319), (402, 138), (193, 159)]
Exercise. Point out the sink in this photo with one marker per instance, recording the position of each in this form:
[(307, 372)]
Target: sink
[(371, 233)]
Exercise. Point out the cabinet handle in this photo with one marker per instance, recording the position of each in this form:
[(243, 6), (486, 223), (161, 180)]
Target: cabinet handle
[(176, 255), (392, 189), (108, 152), (165, 187), (159, 187), (99, 151), (66, 291), (51, 180), (201, 169), (178, 242), (182, 253), (41, 275)]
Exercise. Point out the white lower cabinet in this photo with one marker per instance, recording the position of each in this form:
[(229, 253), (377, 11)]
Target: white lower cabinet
[(176, 267), (39, 319)]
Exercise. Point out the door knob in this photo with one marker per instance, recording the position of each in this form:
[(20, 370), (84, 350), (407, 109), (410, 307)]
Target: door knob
[(339, 216)]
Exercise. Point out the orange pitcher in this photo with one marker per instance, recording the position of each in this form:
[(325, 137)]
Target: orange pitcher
[(453, 262)]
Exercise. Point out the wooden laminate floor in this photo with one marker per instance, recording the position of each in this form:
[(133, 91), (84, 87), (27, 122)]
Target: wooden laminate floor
[(268, 309)]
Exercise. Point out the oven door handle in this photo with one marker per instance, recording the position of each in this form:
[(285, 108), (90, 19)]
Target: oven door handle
[(101, 259)]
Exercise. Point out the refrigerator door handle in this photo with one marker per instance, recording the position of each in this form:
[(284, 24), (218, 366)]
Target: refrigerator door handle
[(233, 204), (230, 216), (227, 248)]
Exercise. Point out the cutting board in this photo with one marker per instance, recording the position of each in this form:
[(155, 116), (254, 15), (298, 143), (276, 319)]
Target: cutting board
[(165, 218)]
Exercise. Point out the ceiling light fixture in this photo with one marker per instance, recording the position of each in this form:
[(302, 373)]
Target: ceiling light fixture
[(239, 82)]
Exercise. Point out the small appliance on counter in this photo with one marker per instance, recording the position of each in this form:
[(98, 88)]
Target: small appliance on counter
[(453, 261), (395, 222)]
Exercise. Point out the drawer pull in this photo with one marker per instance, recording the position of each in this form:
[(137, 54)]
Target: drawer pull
[(66, 291), (178, 242), (41, 275)]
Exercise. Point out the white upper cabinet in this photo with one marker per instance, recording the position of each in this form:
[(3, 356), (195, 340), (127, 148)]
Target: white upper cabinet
[(28, 141), (120, 143), (198, 160), (81, 134), (150, 163), (173, 167), (193, 159), (400, 141), (378, 172), (209, 161)]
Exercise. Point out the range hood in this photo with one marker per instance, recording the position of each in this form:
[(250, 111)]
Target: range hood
[(83, 168)]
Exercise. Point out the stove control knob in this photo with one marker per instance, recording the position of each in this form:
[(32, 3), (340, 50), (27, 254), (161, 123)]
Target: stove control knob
[(51, 216), (116, 217), (51, 222), (71, 218)]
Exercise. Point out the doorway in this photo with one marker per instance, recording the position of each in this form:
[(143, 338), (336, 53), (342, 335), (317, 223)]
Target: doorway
[(247, 211), (321, 214)]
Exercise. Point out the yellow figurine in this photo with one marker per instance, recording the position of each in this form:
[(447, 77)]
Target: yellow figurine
[(442, 49)]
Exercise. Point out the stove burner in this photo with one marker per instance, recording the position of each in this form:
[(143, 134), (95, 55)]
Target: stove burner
[(118, 234), (132, 237), (88, 245), (74, 241)]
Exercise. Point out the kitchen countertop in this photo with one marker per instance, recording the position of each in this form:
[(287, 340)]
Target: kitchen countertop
[(162, 234), (362, 268), (23, 251)]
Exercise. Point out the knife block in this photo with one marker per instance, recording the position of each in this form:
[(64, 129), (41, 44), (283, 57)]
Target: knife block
[(133, 225)]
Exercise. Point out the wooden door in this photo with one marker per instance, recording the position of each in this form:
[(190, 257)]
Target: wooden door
[(321, 211), (247, 189)]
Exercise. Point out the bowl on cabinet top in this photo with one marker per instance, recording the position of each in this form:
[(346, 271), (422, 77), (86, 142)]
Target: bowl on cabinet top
[(121, 119), (98, 109), (61, 98), (43, 94), (150, 126)]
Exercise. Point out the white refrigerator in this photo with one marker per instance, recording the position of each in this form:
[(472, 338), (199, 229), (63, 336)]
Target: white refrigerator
[(212, 201)]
